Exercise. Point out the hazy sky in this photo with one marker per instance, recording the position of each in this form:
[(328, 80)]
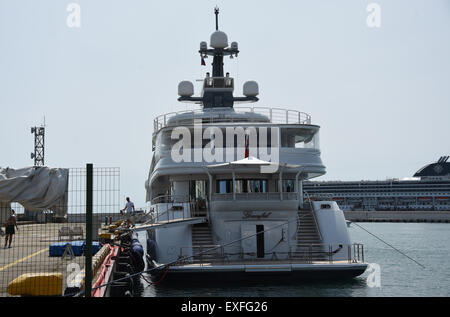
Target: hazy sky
[(380, 95)]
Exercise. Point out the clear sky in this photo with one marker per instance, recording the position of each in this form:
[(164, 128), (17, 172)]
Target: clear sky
[(381, 95)]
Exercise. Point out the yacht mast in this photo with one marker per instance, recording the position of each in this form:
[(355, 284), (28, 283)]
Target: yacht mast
[(218, 88)]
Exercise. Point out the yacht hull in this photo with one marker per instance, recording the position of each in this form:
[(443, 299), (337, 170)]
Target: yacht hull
[(257, 273)]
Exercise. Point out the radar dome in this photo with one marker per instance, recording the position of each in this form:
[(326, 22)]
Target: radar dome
[(251, 89), (219, 40), (185, 89)]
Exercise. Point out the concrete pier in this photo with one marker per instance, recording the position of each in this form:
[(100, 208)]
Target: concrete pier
[(398, 216), (30, 254)]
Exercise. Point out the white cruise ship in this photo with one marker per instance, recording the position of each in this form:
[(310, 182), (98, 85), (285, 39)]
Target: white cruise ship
[(428, 189), (225, 189)]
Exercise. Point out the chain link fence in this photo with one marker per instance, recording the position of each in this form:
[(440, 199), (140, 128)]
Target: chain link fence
[(45, 250)]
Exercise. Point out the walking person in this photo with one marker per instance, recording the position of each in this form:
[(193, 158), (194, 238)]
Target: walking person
[(10, 225), (129, 214)]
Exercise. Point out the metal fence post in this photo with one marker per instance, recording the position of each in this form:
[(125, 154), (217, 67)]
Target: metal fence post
[(88, 250)]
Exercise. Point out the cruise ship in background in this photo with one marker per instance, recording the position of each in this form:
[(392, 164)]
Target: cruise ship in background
[(428, 189)]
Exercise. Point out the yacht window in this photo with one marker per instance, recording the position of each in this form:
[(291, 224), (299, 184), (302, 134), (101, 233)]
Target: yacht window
[(312, 143), (198, 189), (242, 186), (224, 186), (300, 138), (288, 185), (251, 186)]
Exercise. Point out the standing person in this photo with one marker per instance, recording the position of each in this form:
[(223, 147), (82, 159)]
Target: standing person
[(9, 228), (13, 214), (129, 214)]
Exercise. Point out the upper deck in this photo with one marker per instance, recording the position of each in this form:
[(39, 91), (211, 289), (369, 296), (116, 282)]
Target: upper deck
[(232, 115)]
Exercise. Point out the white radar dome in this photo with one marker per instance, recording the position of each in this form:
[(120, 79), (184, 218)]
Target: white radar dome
[(185, 89), (219, 40), (251, 89)]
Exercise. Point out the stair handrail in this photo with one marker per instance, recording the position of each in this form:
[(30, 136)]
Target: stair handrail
[(313, 214)]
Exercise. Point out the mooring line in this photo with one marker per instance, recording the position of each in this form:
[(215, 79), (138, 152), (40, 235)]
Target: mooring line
[(165, 266), (388, 244)]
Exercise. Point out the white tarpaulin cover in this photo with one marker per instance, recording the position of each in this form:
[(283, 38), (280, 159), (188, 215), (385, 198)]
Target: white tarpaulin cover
[(36, 188)]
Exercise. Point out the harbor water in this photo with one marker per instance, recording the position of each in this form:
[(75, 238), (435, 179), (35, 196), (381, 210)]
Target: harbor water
[(392, 274)]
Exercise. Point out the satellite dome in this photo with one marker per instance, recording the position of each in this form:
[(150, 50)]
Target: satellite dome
[(203, 46), (251, 89), (219, 40), (185, 89)]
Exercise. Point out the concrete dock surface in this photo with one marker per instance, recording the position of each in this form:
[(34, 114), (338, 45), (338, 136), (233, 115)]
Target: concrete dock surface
[(29, 253)]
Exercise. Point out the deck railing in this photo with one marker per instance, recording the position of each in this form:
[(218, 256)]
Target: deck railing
[(173, 207), (302, 253), (216, 115), (311, 208), (169, 207)]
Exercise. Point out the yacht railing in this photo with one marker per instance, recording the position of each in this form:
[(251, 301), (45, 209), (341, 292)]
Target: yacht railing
[(169, 199), (216, 115), (319, 197), (302, 253), (169, 207), (311, 206), (173, 205)]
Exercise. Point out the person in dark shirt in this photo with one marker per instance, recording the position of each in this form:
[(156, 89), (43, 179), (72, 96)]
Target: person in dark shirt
[(10, 225)]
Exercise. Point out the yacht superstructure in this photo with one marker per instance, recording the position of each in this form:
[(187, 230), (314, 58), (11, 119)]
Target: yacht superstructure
[(225, 188)]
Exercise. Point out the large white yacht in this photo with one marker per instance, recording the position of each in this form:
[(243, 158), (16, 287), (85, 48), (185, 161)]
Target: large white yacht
[(225, 189)]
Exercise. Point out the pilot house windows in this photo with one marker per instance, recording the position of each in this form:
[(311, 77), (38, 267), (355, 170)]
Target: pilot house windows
[(242, 186)]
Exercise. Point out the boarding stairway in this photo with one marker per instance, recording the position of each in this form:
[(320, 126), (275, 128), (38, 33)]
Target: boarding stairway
[(309, 242), (201, 241)]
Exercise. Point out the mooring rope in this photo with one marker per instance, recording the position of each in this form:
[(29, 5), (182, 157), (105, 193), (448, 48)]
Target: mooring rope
[(388, 244), (167, 265), (184, 258)]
